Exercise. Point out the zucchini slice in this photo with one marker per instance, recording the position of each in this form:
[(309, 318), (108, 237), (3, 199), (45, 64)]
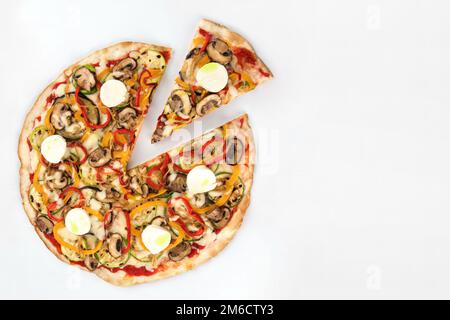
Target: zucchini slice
[(104, 257)]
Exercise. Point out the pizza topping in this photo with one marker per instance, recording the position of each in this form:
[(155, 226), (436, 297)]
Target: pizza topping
[(137, 182), (44, 225), (219, 51), (56, 179), (77, 221), (124, 69), (127, 118), (62, 119), (99, 157), (84, 77), (234, 150), (77, 153), (180, 251), (207, 104), (91, 263), (37, 136), (176, 182), (200, 179), (53, 148), (198, 200), (181, 212), (105, 257), (115, 245), (113, 93), (107, 194), (237, 194), (180, 103), (155, 238), (219, 217), (212, 76)]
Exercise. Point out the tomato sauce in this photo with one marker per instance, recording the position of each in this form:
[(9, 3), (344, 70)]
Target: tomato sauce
[(52, 239), (135, 271), (244, 56), (50, 98), (56, 85), (166, 55)]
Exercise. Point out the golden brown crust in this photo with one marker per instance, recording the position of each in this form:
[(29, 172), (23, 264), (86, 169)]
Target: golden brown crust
[(109, 53)]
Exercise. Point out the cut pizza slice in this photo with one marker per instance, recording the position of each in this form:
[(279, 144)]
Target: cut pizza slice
[(198, 195), (220, 66)]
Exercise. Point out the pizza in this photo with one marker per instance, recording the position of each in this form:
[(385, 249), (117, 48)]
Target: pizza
[(127, 225), (220, 66)]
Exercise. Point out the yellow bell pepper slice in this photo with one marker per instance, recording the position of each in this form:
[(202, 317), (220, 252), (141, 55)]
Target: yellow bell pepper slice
[(62, 242), (226, 195), (179, 238)]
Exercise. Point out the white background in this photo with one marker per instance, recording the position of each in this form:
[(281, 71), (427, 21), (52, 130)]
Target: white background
[(351, 192)]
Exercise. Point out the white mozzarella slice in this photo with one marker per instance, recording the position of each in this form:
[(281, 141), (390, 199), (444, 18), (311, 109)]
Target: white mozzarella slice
[(200, 179), (53, 148), (155, 238), (77, 221), (212, 76), (113, 93)]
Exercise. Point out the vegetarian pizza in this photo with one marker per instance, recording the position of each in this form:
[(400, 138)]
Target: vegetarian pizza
[(220, 66), (135, 225)]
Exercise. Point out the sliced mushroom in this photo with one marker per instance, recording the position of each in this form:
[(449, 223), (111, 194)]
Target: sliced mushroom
[(56, 179), (180, 251), (91, 263), (180, 103), (62, 119), (84, 78), (219, 217), (115, 245), (108, 194), (206, 104), (187, 73), (44, 225), (89, 241), (138, 186), (234, 150), (126, 118), (99, 157), (192, 53), (158, 134), (176, 182), (124, 69), (61, 116), (159, 221), (236, 195), (219, 51), (198, 200)]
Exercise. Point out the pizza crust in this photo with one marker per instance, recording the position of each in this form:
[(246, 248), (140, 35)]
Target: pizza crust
[(115, 51)]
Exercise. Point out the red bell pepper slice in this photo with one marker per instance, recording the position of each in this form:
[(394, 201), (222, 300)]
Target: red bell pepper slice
[(207, 36), (191, 213), (85, 116), (85, 153), (52, 205), (150, 182)]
